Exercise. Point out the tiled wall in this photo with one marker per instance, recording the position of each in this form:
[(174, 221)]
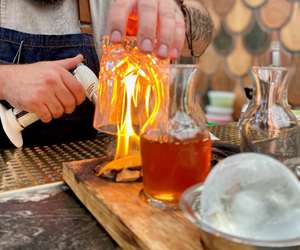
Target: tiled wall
[(243, 33)]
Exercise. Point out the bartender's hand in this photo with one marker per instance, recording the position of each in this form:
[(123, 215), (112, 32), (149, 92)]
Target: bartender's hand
[(169, 31), (47, 89)]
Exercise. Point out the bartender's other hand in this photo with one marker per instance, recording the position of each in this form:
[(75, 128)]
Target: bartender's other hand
[(47, 88), (169, 31)]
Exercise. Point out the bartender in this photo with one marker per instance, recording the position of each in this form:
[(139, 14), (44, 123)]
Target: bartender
[(41, 42)]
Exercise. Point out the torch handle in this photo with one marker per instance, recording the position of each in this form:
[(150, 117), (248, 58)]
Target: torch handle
[(24, 118), (84, 75)]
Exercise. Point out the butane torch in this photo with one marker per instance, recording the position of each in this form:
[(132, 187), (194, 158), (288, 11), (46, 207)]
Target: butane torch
[(14, 120)]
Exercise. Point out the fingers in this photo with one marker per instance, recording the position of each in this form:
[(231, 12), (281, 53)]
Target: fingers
[(161, 25), (44, 113), (170, 31), (167, 27), (74, 88), (179, 37), (55, 107), (147, 10), (41, 110), (63, 93), (66, 99), (117, 19), (70, 63)]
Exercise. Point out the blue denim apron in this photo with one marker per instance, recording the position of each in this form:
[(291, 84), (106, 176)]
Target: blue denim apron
[(30, 48)]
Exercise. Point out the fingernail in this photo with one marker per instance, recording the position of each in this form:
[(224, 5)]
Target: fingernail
[(175, 53), (146, 45), (116, 36), (80, 55), (163, 50)]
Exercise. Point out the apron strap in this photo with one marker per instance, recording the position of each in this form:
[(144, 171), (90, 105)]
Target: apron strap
[(85, 16)]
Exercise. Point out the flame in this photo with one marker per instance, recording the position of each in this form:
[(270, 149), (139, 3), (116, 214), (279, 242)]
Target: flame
[(129, 98), (140, 103), (127, 139)]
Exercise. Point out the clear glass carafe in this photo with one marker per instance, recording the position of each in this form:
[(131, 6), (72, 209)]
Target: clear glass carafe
[(270, 127), (175, 143), (248, 109)]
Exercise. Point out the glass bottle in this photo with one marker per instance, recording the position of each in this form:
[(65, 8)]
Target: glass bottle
[(271, 128), (175, 144)]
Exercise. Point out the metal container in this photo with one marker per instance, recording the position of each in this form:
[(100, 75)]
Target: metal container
[(213, 239)]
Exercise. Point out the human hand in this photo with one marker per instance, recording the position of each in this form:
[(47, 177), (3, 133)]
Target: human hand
[(47, 88), (161, 26)]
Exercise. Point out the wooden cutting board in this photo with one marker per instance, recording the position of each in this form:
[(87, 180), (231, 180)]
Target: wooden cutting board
[(131, 222)]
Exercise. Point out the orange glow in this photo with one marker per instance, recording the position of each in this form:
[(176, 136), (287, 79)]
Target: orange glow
[(132, 25), (127, 138), (130, 94)]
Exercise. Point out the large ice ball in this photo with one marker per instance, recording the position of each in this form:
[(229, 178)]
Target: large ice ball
[(253, 196)]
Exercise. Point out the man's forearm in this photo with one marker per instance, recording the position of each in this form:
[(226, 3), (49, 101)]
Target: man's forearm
[(199, 26)]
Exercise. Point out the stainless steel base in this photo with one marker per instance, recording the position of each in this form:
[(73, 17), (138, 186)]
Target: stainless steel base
[(31, 166)]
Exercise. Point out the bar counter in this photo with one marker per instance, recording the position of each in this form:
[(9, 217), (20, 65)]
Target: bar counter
[(38, 210)]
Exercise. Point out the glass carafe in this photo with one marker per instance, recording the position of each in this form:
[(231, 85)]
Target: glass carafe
[(175, 144), (271, 128)]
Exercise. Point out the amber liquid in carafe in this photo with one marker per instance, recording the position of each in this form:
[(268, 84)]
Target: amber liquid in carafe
[(170, 166)]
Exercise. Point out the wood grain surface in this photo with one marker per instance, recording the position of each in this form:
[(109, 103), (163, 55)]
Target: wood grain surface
[(290, 33), (221, 81), (255, 3), (293, 89), (239, 17), (127, 218), (239, 61), (274, 14), (222, 7), (209, 61), (84, 11)]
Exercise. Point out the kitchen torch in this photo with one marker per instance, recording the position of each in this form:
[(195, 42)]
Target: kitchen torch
[(14, 120)]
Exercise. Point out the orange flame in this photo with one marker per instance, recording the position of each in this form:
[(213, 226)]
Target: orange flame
[(130, 94), (141, 99), (127, 140)]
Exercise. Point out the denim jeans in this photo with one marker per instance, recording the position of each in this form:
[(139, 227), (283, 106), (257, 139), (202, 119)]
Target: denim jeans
[(34, 48)]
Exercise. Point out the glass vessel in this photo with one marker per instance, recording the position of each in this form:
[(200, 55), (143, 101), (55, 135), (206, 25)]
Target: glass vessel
[(175, 143), (127, 81), (127, 92), (270, 127), (248, 108)]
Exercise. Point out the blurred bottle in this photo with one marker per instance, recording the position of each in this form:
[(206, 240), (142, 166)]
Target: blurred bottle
[(270, 127), (249, 107)]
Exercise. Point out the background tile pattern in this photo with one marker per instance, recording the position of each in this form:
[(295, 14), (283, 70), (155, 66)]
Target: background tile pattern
[(244, 30)]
